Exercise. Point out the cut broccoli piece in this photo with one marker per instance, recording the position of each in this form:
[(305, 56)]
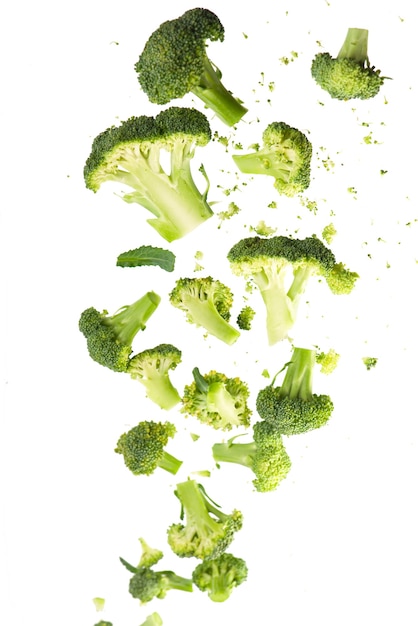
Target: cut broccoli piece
[(131, 154), (149, 556), (369, 362), (143, 446), (110, 337), (328, 361), (218, 577), (103, 623), (147, 584), (245, 318), (153, 620), (174, 62)]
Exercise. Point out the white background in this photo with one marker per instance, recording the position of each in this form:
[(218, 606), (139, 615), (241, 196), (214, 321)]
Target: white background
[(336, 543)]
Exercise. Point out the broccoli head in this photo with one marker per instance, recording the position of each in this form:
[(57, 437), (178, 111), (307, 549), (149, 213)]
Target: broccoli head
[(110, 337), (218, 577), (271, 262), (147, 584), (143, 448), (286, 155), (217, 400), (245, 318), (207, 531), (174, 62), (292, 406), (131, 154), (265, 455), (152, 369), (349, 75), (207, 303)]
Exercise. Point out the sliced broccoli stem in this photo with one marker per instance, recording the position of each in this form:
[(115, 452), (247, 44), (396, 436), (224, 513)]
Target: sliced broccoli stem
[(216, 97), (131, 318), (161, 390), (177, 582), (297, 382), (258, 162), (230, 452), (280, 312), (196, 508), (301, 276), (355, 46), (220, 401), (169, 463), (204, 313)]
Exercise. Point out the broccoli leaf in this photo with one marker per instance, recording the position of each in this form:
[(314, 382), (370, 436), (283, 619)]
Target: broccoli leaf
[(147, 255)]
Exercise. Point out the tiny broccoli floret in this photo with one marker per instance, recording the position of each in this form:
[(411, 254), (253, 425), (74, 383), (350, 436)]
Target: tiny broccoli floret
[(207, 303), (153, 620), (218, 577), (152, 369), (216, 400), (265, 455), (207, 531), (143, 446), (174, 62), (272, 262), (293, 407), (110, 337), (149, 556), (147, 584), (286, 155), (350, 74), (131, 154), (245, 318)]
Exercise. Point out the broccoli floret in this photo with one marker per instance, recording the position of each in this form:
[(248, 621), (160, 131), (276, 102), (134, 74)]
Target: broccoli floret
[(270, 263), (149, 556), (153, 620), (265, 455), (110, 337), (369, 362), (245, 318), (147, 584), (207, 303), (218, 577), (328, 361), (143, 446), (152, 369), (174, 62), (131, 154), (207, 531), (292, 406), (350, 74), (217, 400), (102, 623), (286, 155)]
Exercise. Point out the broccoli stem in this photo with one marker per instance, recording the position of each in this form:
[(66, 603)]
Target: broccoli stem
[(220, 401), (229, 452), (297, 382), (280, 313), (161, 390), (216, 97), (355, 46), (196, 508), (177, 582), (204, 313), (131, 318), (169, 463)]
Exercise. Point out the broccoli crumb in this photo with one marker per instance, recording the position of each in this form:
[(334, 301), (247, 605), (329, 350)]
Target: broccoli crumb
[(262, 229), (369, 362), (329, 233)]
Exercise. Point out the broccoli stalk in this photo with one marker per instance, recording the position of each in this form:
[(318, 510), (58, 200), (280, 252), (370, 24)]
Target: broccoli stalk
[(147, 584)]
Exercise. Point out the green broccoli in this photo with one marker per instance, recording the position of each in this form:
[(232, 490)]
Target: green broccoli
[(207, 531), (218, 577), (369, 362), (174, 62), (147, 584), (110, 337), (292, 406), (286, 155), (102, 623), (143, 446), (269, 263), (245, 318), (350, 74), (217, 400), (265, 455), (152, 369), (328, 361), (131, 154), (149, 556), (207, 303), (153, 620)]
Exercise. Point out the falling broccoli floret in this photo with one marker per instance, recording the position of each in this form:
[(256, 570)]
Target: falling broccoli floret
[(216, 400), (110, 337), (143, 448), (174, 62), (149, 556), (103, 623), (245, 318), (152, 369), (219, 577), (293, 407), (369, 362), (328, 361), (329, 233), (349, 75), (207, 532), (153, 620)]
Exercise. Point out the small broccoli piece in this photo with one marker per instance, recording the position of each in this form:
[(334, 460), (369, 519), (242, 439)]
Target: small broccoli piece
[(149, 556), (143, 446), (328, 361), (350, 74), (218, 577), (217, 400), (102, 623), (174, 62), (207, 303), (110, 337), (286, 155), (292, 406), (265, 455), (152, 369), (153, 620), (207, 531), (369, 362), (270, 263), (131, 154), (245, 318), (147, 584)]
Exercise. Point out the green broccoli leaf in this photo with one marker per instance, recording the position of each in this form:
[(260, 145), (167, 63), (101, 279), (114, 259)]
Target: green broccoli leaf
[(147, 255)]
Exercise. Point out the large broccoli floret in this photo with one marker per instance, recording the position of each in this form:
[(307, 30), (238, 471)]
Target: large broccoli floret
[(270, 263), (350, 74), (293, 407), (207, 303), (147, 584), (174, 62), (217, 400), (143, 446), (286, 155), (110, 337), (207, 531), (131, 154), (218, 577), (265, 455), (152, 369)]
